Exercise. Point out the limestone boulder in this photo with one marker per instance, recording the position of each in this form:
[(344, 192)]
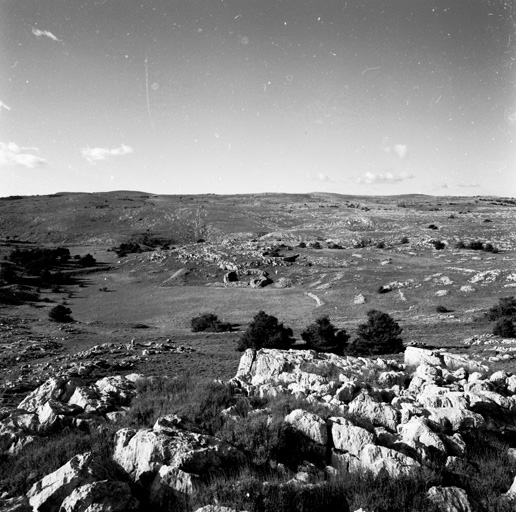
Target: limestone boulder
[(49, 493), (378, 458), (142, 453), (58, 389), (449, 419), (308, 424), (101, 496), (378, 413), (54, 413), (417, 432), (450, 499), (349, 438)]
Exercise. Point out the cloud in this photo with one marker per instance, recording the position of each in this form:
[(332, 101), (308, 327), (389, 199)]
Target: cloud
[(3, 105), (323, 177), (400, 150), (388, 178), (468, 185), (12, 154), (38, 33), (98, 154)]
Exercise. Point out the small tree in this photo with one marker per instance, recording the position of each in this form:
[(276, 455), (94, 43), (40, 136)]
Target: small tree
[(323, 336), (504, 328), (380, 335), (506, 307), (87, 261), (210, 323), (265, 332), (60, 313)]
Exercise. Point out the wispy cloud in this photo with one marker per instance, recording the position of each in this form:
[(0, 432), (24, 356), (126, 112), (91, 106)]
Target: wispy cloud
[(98, 154), (3, 105), (321, 176), (399, 149), (388, 178), (468, 185), (11, 154), (38, 33)]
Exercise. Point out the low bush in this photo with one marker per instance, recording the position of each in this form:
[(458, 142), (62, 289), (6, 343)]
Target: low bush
[(380, 245), (209, 323), (380, 335), (438, 245), (475, 245), (504, 327), (442, 309), (323, 336), (404, 240), (506, 307), (266, 332), (60, 313)]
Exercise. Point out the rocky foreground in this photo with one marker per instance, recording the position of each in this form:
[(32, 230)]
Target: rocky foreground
[(360, 415)]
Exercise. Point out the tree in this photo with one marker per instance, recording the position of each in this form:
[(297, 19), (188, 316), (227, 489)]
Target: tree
[(60, 313), (504, 328), (506, 307), (87, 261), (265, 332), (323, 336), (380, 335)]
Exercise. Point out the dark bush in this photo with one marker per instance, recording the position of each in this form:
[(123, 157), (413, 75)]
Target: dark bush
[(460, 245), (323, 336), (87, 261), (404, 240), (380, 335), (475, 245), (210, 323), (380, 245), (504, 327), (442, 309), (60, 313), (438, 245), (506, 307), (490, 248), (432, 226), (265, 332)]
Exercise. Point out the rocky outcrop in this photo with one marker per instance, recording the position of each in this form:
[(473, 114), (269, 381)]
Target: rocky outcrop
[(101, 496), (172, 461)]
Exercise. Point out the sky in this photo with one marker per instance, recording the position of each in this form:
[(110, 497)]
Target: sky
[(373, 97)]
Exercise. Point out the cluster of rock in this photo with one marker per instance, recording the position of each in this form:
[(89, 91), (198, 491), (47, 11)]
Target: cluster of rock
[(383, 416), (105, 357), (60, 403), (505, 348), (401, 423)]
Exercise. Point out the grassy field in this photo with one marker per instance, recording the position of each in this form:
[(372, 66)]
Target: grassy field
[(131, 290)]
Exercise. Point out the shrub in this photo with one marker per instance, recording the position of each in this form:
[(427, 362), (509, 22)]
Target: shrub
[(210, 323), (504, 327), (60, 313), (438, 245), (265, 332), (380, 335), (404, 240), (506, 307), (476, 245), (442, 309), (380, 245), (460, 245), (432, 226), (490, 248), (323, 336), (87, 261)]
